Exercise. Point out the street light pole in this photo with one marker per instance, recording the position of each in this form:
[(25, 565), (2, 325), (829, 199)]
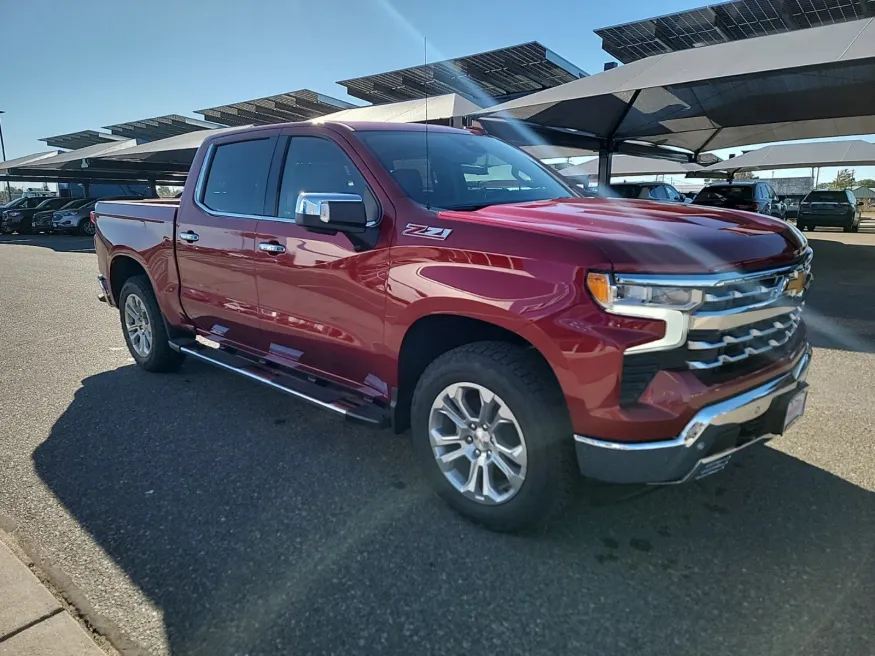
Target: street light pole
[(3, 150)]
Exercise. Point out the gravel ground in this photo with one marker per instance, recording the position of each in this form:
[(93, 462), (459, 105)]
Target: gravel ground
[(203, 514)]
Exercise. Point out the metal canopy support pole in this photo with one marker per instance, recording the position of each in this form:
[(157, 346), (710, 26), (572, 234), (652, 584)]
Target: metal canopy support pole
[(86, 188), (153, 189), (606, 164), (3, 149)]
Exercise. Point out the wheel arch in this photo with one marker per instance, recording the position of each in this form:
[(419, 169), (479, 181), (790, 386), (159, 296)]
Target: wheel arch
[(432, 335)]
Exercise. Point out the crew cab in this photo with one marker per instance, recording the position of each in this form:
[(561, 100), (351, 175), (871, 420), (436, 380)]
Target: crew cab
[(446, 282)]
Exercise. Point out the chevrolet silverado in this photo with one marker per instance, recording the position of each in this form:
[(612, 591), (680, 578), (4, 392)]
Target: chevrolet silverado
[(444, 281)]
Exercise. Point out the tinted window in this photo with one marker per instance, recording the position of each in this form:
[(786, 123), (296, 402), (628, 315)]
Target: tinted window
[(53, 204), (725, 192), (460, 170), (34, 202), (319, 165), (826, 197), (631, 190), (237, 177)]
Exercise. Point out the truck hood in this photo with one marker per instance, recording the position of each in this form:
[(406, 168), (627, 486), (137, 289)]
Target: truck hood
[(649, 236)]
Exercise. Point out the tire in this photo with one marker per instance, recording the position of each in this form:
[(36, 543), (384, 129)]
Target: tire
[(159, 357), (525, 387), (85, 228), (855, 227), (848, 228)]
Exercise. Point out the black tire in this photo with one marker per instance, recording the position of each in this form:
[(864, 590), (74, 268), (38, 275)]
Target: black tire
[(83, 227), (848, 228), (161, 357), (855, 227), (526, 385)]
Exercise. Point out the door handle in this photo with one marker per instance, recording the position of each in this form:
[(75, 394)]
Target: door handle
[(271, 247), (188, 236)]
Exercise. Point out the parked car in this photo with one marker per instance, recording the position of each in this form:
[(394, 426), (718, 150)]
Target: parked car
[(42, 220), (18, 219), (510, 323), (78, 220), (792, 208), (751, 196), (648, 191), (830, 208)]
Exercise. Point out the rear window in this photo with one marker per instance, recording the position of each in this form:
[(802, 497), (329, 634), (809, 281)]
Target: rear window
[(827, 197), (726, 192), (237, 177), (632, 191)]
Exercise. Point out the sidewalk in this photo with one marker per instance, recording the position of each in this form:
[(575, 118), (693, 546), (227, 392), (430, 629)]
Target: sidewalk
[(32, 622)]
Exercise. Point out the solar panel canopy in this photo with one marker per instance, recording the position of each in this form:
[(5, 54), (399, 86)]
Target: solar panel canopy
[(81, 139), (483, 78), (727, 21), (301, 105), (160, 127)]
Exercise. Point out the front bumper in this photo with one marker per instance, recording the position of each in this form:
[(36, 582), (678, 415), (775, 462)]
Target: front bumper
[(706, 444)]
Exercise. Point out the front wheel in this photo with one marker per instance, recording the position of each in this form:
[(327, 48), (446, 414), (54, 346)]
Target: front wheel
[(87, 228), (144, 328), (491, 431)]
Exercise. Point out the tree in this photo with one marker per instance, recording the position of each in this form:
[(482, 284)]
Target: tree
[(745, 175), (844, 179), (866, 182), (4, 198)]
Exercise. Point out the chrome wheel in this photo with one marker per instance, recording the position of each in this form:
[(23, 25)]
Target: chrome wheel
[(89, 228), (477, 443), (138, 325)]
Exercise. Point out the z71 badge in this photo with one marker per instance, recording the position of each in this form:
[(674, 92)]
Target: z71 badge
[(426, 232)]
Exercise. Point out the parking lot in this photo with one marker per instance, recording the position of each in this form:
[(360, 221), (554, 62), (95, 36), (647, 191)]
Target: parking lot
[(199, 513)]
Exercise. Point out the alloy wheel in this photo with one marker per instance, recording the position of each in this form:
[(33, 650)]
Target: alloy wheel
[(477, 443), (138, 325)]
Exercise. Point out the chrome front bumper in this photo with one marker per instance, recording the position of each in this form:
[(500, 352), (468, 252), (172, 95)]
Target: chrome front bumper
[(706, 443)]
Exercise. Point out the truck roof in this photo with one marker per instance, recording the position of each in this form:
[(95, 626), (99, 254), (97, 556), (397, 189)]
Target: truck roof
[(355, 126)]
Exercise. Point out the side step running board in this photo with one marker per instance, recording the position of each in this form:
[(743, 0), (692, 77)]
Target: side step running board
[(329, 397)]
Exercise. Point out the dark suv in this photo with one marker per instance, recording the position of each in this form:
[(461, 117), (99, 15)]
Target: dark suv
[(829, 208), (752, 196), (649, 191)]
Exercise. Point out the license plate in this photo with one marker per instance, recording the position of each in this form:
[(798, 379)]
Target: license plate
[(795, 409)]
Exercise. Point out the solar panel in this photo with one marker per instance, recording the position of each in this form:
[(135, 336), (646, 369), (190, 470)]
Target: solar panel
[(482, 78), (81, 139), (728, 21), (160, 127), (300, 105)]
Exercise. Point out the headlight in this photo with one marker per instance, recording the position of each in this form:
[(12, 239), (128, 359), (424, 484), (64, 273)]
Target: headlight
[(620, 298), (671, 305)]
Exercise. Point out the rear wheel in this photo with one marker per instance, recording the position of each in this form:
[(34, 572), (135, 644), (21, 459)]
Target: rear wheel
[(144, 328), (491, 431)]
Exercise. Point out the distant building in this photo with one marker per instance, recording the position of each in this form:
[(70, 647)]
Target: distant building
[(798, 187)]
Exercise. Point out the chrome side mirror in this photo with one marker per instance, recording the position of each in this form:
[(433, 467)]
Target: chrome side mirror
[(330, 213)]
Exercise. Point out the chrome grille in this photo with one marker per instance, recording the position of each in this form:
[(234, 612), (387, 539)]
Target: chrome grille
[(748, 316)]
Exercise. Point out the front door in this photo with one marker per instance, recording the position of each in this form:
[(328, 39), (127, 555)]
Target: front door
[(322, 303), (215, 240)]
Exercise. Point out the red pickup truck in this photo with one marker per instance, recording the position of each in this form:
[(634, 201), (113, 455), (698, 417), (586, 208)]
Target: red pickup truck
[(446, 282)]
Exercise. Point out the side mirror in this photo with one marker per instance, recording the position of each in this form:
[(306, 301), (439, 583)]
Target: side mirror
[(331, 213)]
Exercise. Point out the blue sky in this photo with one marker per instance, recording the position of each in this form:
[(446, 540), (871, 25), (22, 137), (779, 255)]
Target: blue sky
[(85, 64)]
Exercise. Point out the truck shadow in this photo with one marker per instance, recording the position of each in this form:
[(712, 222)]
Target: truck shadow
[(839, 312), (257, 525), (58, 243)]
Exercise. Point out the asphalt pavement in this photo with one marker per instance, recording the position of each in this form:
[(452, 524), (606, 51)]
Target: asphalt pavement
[(198, 513)]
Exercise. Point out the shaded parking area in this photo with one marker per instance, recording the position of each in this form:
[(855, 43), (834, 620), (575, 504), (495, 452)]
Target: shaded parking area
[(202, 514)]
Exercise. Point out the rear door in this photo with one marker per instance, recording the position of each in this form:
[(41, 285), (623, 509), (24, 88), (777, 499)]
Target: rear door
[(215, 238), (322, 301)]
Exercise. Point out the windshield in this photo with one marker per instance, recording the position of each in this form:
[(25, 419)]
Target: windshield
[(726, 192), (826, 197), (461, 171)]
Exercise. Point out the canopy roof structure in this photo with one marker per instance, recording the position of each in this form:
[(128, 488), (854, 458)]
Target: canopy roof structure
[(630, 165), (801, 155), (27, 159), (546, 151), (724, 22), (72, 160), (301, 105), (81, 139), (433, 108), (174, 154), (797, 85), (160, 127), (482, 78)]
